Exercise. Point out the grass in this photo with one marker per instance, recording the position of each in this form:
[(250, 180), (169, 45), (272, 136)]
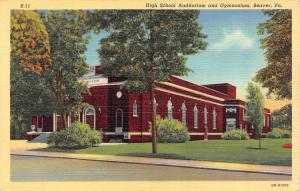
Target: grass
[(236, 151)]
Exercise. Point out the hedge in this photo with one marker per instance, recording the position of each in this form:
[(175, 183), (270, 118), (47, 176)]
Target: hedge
[(237, 134), (171, 131), (78, 135)]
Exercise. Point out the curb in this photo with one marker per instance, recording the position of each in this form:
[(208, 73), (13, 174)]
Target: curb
[(155, 163)]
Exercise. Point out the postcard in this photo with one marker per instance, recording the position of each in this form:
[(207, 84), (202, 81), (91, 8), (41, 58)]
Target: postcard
[(149, 95)]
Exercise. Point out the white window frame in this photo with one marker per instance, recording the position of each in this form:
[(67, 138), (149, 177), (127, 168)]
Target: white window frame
[(196, 117), (205, 112), (87, 108), (134, 109), (214, 118), (170, 109), (183, 113)]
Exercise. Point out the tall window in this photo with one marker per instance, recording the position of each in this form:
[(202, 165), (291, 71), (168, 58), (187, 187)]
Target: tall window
[(205, 115), (89, 116), (119, 117), (183, 117), (170, 109), (214, 119), (134, 109), (195, 116)]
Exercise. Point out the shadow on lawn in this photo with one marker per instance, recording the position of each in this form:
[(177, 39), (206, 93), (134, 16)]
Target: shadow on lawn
[(52, 149), (256, 148)]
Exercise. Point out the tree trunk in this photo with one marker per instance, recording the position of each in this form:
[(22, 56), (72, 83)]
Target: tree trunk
[(153, 119), (259, 140), (64, 119)]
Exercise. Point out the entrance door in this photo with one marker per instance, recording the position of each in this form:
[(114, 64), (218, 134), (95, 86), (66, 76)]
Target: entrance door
[(230, 124), (90, 120)]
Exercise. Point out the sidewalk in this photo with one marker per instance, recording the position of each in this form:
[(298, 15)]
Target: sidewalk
[(24, 148)]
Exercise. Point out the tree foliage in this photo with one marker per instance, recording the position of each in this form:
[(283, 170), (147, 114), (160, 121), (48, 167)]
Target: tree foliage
[(68, 38), (149, 46), (277, 43), (254, 110), (29, 41), (282, 118), (30, 55)]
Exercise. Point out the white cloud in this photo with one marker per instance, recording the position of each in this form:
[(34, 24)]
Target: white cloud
[(234, 40)]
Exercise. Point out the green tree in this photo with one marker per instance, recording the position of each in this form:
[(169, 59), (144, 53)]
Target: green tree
[(29, 41), (68, 38), (277, 43), (149, 46), (254, 110), (29, 96), (30, 55), (282, 118)]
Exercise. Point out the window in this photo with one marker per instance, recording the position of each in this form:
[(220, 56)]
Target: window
[(214, 119), (134, 109), (205, 115), (89, 116), (89, 111), (264, 120), (183, 112), (195, 116), (119, 118), (170, 109)]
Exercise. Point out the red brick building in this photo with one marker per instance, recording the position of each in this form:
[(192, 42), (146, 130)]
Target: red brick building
[(121, 114)]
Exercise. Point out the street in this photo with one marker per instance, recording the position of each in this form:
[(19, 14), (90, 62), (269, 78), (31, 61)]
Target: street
[(27, 168)]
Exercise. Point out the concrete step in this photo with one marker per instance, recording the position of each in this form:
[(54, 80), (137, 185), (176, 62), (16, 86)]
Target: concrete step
[(41, 138)]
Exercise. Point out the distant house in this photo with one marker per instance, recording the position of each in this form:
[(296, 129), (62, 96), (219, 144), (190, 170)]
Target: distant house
[(124, 115)]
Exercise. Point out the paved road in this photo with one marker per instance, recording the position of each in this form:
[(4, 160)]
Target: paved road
[(27, 168)]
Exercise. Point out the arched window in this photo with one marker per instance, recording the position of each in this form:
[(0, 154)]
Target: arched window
[(134, 109), (214, 119), (119, 117), (89, 116), (205, 115), (183, 112), (195, 116), (170, 109)]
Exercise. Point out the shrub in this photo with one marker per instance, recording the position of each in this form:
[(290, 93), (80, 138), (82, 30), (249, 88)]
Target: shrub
[(237, 134), (279, 133), (171, 131), (78, 135)]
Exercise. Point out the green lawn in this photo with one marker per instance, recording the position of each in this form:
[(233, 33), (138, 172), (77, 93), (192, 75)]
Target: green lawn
[(213, 150)]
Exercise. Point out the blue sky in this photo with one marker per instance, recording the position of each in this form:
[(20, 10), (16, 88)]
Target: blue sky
[(233, 54)]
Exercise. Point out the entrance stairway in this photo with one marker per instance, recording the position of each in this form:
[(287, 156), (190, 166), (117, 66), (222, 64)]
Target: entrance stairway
[(42, 138)]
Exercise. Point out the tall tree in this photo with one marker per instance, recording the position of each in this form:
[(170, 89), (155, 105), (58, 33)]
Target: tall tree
[(30, 55), (254, 110), (277, 43), (68, 39), (29, 41), (149, 46)]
